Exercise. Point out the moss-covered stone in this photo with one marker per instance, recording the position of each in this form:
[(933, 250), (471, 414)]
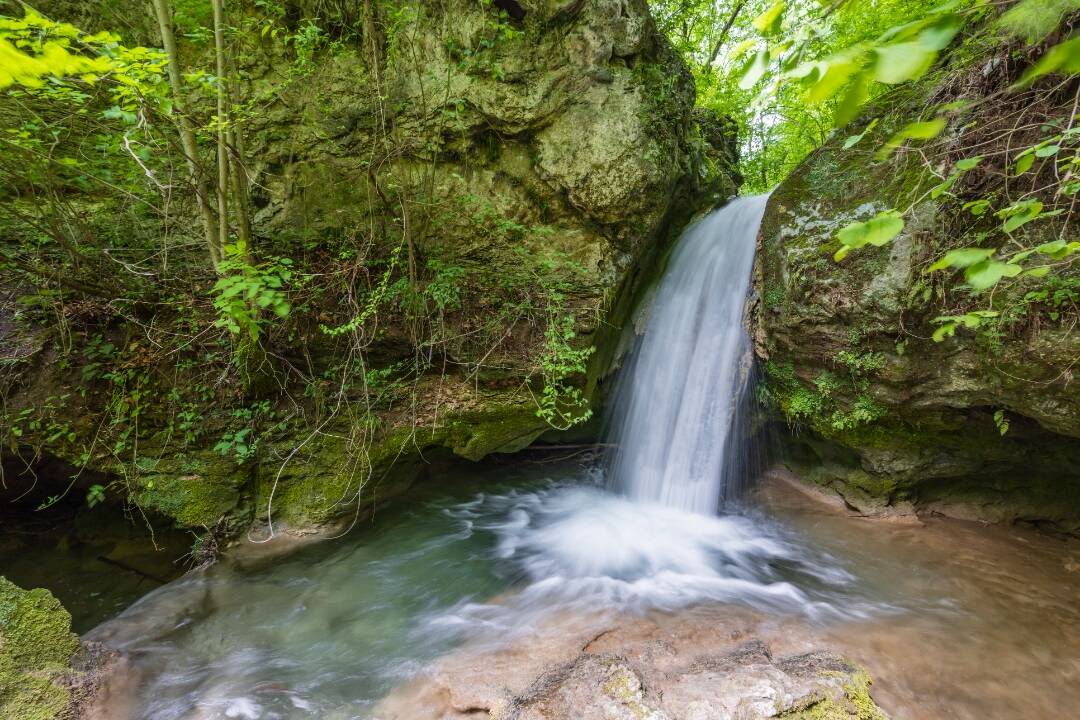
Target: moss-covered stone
[(354, 468), (984, 424), (36, 646), (547, 162), (853, 703)]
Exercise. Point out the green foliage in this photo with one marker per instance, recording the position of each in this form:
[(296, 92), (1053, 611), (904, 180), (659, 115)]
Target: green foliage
[(860, 364), (947, 324), (1001, 421), (1033, 20), (245, 290), (561, 404), (877, 231), (445, 289), (95, 495), (1063, 57), (480, 55), (788, 72), (54, 60), (241, 441)]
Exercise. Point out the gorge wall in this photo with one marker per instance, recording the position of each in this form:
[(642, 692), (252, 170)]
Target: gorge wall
[(467, 195), (983, 424)]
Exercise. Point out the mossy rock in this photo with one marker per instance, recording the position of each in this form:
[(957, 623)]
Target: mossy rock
[(36, 646), (198, 489), (349, 473), (987, 419), (853, 702)]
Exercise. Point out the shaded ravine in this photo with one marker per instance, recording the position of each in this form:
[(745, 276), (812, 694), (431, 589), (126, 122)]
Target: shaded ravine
[(496, 556)]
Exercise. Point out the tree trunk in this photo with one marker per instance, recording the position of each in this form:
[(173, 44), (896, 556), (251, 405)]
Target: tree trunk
[(187, 135), (222, 124)]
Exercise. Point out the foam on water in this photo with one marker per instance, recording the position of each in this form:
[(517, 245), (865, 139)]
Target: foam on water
[(581, 548)]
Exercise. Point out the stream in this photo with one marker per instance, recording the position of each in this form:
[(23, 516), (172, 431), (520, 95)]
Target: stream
[(954, 619)]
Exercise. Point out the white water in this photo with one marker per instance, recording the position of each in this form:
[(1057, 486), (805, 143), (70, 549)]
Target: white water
[(305, 639), (675, 416)]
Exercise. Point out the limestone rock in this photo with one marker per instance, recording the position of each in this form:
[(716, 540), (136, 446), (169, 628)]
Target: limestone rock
[(703, 667)]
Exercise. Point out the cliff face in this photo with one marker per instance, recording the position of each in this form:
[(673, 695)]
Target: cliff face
[(469, 192), (983, 424)]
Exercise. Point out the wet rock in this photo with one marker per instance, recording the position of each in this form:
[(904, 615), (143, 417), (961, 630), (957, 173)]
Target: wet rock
[(691, 667), (867, 404)]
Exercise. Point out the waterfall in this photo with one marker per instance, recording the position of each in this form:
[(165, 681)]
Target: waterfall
[(675, 413)]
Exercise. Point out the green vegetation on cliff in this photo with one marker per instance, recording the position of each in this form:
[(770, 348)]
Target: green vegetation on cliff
[(258, 253), (927, 252)]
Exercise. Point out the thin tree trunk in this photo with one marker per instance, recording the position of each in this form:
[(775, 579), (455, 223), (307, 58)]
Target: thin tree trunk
[(187, 135), (240, 184), (222, 123), (724, 32)]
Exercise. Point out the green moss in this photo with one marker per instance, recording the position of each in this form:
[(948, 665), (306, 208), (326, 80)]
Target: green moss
[(501, 429), (775, 297), (856, 704), (198, 498), (339, 475), (36, 645)]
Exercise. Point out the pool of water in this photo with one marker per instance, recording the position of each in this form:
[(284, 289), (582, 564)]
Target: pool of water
[(953, 619)]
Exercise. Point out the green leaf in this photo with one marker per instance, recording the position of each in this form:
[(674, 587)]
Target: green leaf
[(924, 130), (944, 331), (768, 22), (1024, 162), (944, 186), (754, 69), (988, 273), (854, 97), (1038, 272), (876, 231), (1058, 249), (940, 33), (900, 62), (1047, 151), (1062, 57), (977, 207), (919, 130), (1020, 214), (855, 139), (961, 258), (838, 72), (968, 163)]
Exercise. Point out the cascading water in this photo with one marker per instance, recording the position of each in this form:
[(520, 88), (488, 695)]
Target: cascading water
[(675, 414), (513, 558), (505, 556)]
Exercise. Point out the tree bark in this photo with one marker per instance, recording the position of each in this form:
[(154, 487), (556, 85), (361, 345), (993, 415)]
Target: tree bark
[(222, 124), (726, 29), (187, 135)]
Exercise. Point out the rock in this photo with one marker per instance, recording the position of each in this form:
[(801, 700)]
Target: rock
[(703, 666), (36, 650), (555, 149), (864, 402)]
